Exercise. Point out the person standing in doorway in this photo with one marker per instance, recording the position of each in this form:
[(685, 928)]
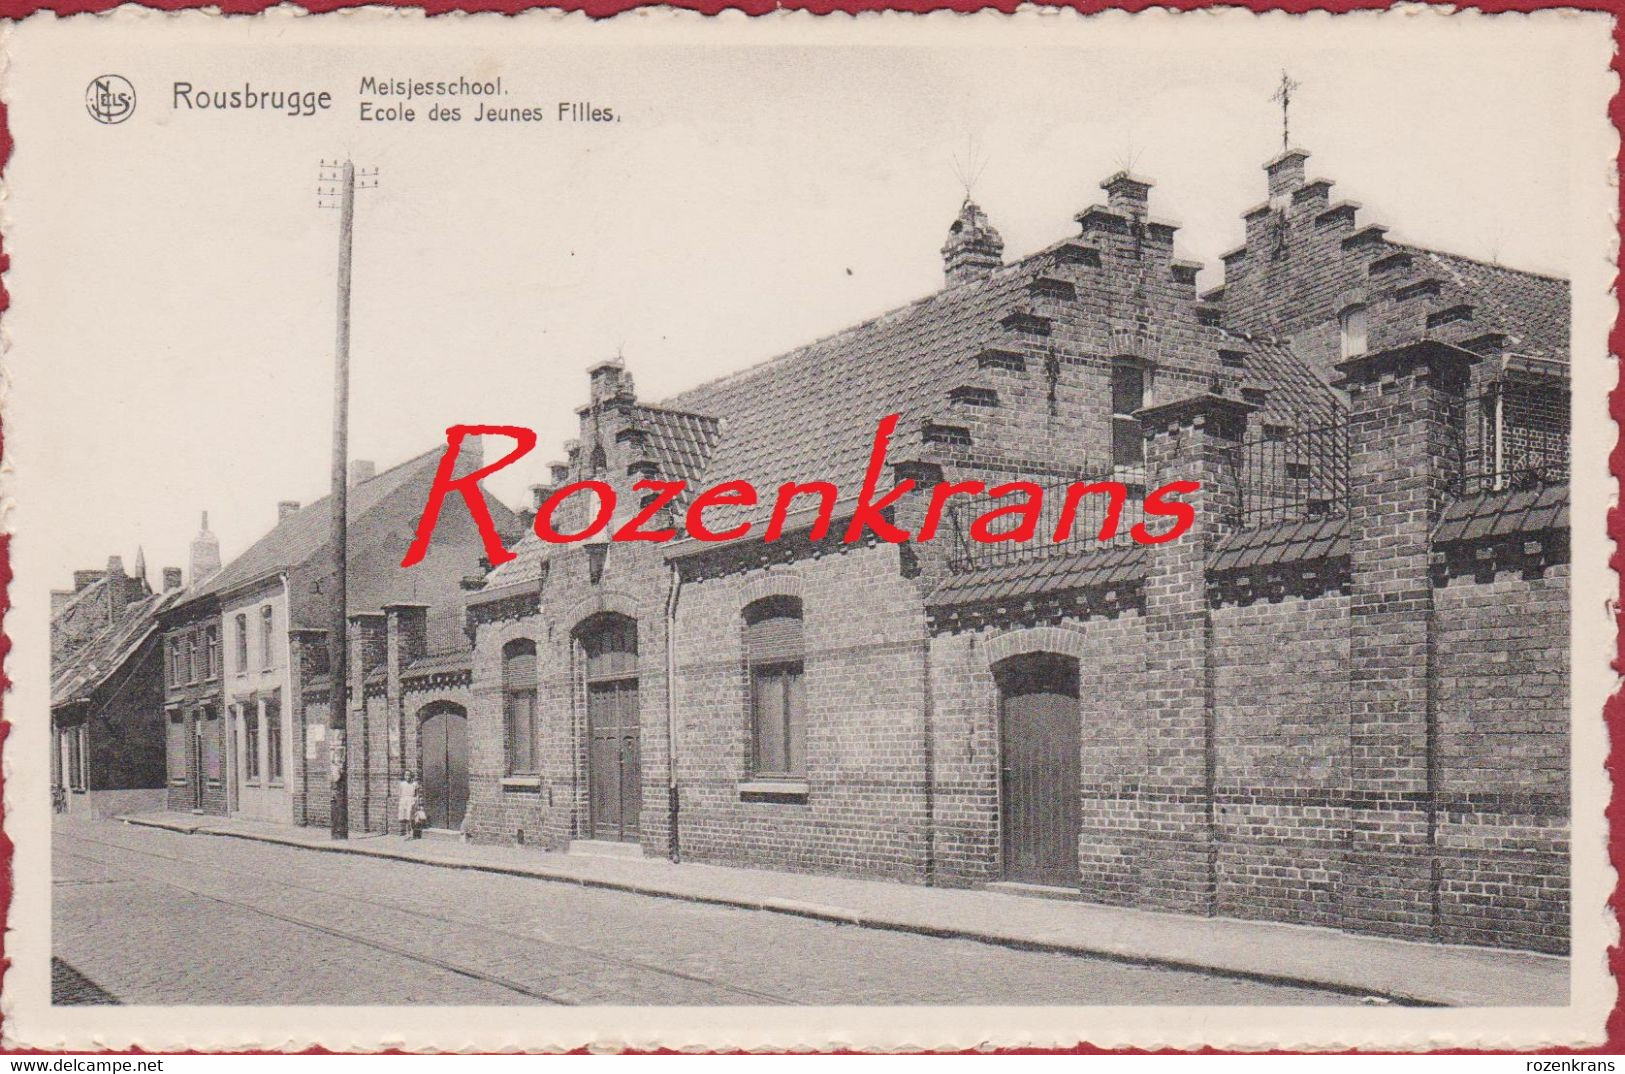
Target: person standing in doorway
[(406, 808)]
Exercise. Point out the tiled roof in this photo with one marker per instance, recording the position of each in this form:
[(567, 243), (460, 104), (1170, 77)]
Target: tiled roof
[(440, 662), (681, 441), (1290, 542), (1297, 396), (811, 414), (525, 566), (79, 675), (1495, 514), (306, 532), (1532, 309), (1054, 574)]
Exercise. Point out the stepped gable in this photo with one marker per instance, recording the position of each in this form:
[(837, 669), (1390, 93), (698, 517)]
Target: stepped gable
[(811, 414), (675, 445), (1307, 259)]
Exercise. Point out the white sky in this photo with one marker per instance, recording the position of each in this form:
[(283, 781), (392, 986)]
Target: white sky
[(173, 277)]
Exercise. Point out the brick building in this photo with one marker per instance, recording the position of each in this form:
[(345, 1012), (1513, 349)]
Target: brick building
[(249, 686), (1297, 711), (107, 753)]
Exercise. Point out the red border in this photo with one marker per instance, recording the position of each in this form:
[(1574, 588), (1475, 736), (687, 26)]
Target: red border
[(1614, 711)]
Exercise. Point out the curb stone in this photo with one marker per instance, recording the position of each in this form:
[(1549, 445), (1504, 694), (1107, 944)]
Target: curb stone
[(833, 914)]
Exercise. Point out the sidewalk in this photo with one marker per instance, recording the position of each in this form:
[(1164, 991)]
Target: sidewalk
[(1292, 954)]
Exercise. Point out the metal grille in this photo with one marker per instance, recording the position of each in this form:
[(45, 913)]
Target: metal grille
[(1088, 520), (1295, 475), (1514, 436)]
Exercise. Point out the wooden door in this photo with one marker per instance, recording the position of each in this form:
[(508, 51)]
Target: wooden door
[(614, 773), (1039, 737), (444, 743), (197, 760)]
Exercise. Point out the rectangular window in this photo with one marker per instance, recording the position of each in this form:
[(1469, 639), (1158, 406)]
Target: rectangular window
[(174, 661), (242, 643), (779, 704), (267, 648), (522, 745), (213, 766), (251, 743), (1128, 397), (191, 656), (175, 746), (212, 654), (76, 758), (1353, 331), (273, 740)]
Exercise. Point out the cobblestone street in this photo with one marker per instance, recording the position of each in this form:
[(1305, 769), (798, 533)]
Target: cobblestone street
[(150, 916)]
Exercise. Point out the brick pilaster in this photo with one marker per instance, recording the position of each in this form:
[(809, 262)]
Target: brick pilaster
[(1404, 406), (1196, 439), (405, 640)]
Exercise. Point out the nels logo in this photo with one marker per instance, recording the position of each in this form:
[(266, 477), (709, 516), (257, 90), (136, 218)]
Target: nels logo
[(110, 99)]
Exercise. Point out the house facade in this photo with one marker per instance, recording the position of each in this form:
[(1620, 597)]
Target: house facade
[(197, 737), (107, 692), (250, 688), (1293, 712), (256, 685)]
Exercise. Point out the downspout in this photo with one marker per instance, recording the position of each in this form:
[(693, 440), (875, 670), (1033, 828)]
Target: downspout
[(673, 850)]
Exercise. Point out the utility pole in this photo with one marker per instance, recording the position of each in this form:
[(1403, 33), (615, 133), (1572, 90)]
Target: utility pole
[(338, 626), (338, 181)]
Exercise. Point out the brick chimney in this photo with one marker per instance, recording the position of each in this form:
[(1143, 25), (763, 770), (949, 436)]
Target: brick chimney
[(974, 247), (84, 578), (284, 508), (362, 470), (172, 578)]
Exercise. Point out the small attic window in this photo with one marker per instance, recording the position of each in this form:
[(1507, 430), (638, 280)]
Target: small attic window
[(1130, 392), (1351, 326), (1231, 359)]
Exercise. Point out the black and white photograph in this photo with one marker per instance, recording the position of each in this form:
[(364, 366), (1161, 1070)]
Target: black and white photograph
[(907, 532)]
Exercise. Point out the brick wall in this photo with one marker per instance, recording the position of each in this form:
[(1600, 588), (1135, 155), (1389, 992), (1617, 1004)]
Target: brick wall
[(1501, 660), (1281, 695), (863, 811)]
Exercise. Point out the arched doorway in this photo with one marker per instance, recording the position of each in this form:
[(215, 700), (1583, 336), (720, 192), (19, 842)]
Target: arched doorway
[(1039, 733), (609, 649), (443, 759)]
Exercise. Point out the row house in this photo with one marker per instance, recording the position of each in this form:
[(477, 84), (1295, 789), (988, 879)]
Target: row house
[(1295, 712), (248, 690), (107, 745)]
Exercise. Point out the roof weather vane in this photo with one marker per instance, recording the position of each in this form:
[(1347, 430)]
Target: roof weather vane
[(969, 170), (1283, 93)]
